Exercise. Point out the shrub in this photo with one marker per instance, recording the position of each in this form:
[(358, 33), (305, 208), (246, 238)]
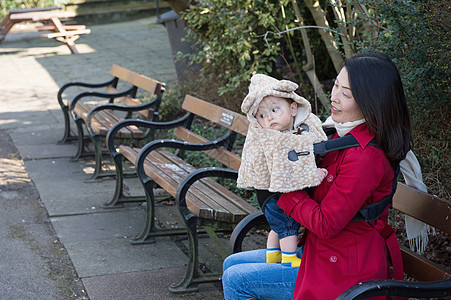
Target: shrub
[(416, 37), (229, 36)]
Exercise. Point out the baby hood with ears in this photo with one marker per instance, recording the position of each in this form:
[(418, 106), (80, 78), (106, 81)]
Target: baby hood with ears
[(262, 86), (264, 160)]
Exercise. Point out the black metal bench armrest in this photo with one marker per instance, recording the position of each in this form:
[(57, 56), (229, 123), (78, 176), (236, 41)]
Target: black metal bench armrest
[(197, 175), (243, 227), (100, 95), (154, 145), (417, 289), (65, 86), (152, 103), (147, 124)]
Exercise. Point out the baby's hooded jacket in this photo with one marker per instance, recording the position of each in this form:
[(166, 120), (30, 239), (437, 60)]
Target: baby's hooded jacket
[(264, 163)]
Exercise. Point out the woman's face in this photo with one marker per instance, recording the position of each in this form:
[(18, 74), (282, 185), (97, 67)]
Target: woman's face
[(343, 105)]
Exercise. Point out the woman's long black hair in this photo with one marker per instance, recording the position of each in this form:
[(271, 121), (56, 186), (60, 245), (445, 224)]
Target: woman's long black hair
[(377, 88)]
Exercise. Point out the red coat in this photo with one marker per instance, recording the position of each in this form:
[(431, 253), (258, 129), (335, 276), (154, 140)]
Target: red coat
[(339, 253)]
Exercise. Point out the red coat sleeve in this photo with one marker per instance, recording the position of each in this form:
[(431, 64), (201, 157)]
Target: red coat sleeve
[(353, 186)]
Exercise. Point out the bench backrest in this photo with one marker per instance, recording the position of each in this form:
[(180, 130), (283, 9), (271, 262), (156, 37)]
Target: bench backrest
[(431, 210), (218, 115), (141, 81), (138, 80)]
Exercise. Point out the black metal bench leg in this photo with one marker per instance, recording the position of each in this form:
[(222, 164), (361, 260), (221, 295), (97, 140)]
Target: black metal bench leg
[(67, 137), (145, 237), (81, 140), (119, 198), (96, 140), (119, 190), (188, 283)]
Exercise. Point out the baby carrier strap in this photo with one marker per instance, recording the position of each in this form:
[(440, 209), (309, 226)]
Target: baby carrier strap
[(347, 141), (372, 211), (324, 147)]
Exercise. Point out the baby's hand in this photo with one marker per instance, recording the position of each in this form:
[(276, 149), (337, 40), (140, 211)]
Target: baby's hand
[(322, 173)]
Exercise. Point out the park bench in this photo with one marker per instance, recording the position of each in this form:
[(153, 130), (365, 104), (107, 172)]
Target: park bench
[(431, 280), (51, 16), (98, 111), (197, 196), (206, 201)]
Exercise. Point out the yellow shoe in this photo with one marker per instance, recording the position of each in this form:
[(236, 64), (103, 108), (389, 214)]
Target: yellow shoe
[(273, 255), (289, 259)]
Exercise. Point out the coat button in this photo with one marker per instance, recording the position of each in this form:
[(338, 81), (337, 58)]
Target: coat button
[(330, 178), (333, 259)]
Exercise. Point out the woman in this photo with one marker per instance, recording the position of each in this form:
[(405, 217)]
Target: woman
[(367, 102)]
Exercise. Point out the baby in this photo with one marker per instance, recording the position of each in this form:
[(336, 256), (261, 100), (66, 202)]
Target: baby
[(280, 121)]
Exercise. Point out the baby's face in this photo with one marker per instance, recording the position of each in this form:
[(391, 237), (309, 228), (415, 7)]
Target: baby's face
[(276, 113)]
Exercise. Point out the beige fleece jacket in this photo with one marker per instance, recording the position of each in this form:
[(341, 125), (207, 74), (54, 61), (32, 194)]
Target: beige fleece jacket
[(264, 162)]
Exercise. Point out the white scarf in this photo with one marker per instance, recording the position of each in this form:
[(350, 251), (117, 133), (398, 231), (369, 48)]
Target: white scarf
[(417, 231), (342, 128)]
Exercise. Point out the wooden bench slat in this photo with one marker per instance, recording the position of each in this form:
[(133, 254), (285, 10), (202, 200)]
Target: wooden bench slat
[(41, 15), (423, 206), (206, 198), (169, 175), (66, 33), (421, 268), (226, 209), (66, 27), (108, 118), (225, 157), (166, 172), (200, 198), (136, 79), (238, 203), (102, 121), (207, 193), (128, 101), (216, 114), (201, 195), (105, 119), (82, 109)]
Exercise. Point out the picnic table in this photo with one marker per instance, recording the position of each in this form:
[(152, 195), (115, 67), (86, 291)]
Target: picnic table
[(51, 17)]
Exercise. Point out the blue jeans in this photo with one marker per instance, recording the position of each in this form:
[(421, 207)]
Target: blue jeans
[(246, 275), (278, 220)]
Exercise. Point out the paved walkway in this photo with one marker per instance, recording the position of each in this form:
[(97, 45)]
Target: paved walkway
[(93, 241)]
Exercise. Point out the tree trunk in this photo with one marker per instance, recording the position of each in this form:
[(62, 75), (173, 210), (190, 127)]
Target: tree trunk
[(319, 15), (341, 17), (309, 66)]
